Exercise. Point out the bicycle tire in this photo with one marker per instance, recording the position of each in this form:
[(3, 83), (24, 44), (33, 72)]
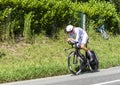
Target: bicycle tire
[(74, 68), (95, 63)]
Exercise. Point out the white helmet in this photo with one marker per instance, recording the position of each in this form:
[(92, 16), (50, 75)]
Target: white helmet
[(69, 28)]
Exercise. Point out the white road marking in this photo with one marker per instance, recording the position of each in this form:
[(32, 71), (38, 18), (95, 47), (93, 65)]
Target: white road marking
[(107, 82)]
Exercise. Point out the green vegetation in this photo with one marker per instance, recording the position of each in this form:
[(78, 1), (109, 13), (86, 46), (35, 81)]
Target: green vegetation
[(19, 17), (48, 58)]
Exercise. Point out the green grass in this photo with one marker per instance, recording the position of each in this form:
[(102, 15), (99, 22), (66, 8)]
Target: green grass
[(47, 57)]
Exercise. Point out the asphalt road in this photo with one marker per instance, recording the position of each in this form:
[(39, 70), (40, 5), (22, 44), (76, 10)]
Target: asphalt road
[(109, 76)]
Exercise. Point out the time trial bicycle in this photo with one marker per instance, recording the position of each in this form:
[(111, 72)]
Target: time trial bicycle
[(77, 61)]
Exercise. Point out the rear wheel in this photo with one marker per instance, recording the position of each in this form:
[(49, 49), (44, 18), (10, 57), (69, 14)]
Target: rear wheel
[(74, 63), (95, 63)]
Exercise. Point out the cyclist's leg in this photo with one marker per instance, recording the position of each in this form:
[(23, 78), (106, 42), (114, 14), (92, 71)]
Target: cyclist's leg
[(82, 42), (84, 47), (90, 55)]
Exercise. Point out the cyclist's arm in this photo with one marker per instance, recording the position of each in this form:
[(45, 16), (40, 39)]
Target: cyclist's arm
[(71, 39)]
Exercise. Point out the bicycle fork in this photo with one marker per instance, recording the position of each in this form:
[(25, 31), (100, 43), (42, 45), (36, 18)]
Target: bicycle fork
[(76, 59)]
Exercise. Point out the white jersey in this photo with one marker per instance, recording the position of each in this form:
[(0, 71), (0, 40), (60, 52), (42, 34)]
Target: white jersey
[(79, 35)]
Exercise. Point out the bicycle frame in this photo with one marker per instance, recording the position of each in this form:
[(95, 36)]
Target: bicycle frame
[(77, 51), (76, 58)]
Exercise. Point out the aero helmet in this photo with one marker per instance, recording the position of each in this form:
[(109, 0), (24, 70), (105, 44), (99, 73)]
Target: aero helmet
[(69, 28)]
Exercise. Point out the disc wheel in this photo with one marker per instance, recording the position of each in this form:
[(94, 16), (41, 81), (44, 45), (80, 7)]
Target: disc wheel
[(94, 64)]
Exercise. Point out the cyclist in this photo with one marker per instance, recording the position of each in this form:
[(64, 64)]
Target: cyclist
[(77, 34)]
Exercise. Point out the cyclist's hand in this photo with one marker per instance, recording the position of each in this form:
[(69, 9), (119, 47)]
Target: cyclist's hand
[(69, 40)]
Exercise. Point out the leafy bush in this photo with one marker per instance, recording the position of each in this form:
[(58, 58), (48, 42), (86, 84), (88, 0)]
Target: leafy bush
[(49, 16), (100, 13)]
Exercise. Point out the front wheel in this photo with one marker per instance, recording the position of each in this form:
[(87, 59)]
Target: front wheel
[(74, 63)]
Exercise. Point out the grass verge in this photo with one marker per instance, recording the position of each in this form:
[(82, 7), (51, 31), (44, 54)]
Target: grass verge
[(47, 57)]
